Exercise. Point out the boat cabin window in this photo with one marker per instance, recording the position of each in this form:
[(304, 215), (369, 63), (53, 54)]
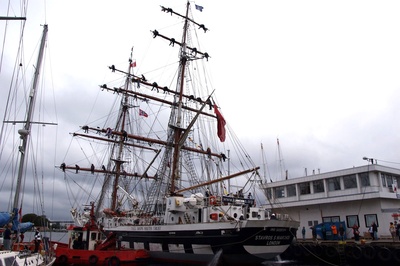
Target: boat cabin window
[(93, 236), (318, 186), (350, 181), (305, 188), (334, 183), (291, 190)]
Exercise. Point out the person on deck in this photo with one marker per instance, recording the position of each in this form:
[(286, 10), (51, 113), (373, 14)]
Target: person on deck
[(38, 239), (303, 232), (208, 194), (7, 237)]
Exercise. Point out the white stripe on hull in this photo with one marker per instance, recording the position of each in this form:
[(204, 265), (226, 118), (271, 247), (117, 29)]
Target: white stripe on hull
[(266, 252), (176, 248), (202, 249)]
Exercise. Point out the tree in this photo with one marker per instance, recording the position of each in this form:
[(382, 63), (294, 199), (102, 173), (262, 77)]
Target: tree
[(40, 221)]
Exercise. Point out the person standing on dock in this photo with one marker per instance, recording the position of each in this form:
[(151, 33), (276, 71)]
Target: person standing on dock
[(397, 225), (392, 230), (371, 232), (314, 233), (303, 232), (375, 230), (356, 233), (334, 231), (341, 232)]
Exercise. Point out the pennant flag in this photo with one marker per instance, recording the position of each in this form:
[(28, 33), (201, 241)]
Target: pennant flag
[(143, 113), (133, 64), (220, 124), (200, 8)]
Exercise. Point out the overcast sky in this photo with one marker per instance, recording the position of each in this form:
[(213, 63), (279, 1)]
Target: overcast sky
[(322, 76)]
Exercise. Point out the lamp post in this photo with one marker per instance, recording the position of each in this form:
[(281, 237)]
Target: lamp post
[(370, 160)]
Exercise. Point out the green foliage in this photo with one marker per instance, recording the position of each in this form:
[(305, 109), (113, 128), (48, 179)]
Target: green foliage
[(40, 221)]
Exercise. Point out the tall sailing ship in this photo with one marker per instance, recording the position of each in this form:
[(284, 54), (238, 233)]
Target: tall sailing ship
[(175, 179)]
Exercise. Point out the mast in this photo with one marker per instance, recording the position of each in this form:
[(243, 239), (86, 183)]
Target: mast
[(283, 171), (25, 132), (178, 127), (120, 145)]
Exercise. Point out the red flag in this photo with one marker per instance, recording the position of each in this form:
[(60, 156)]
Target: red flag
[(143, 113), (220, 124), (133, 64)]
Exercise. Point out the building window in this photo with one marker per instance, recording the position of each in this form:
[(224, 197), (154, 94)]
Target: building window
[(280, 192), (334, 183), (370, 218), (269, 193), (318, 186), (350, 181), (331, 219), (383, 180), (364, 177), (291, 190), (352, 220), (305, 188), (389, 180)]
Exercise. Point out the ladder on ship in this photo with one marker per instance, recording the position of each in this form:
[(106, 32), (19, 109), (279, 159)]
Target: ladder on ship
[(342, 253)]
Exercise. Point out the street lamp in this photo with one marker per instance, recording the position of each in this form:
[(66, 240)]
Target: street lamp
[(371, 160)]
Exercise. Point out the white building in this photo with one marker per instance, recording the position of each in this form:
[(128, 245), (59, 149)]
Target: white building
[(358, 195)]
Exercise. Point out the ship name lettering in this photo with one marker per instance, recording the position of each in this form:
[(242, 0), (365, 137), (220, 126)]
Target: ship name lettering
[(264, 237), (273, 243), (282, 237)]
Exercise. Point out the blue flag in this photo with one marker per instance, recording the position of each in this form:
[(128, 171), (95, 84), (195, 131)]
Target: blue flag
[(200, 8)]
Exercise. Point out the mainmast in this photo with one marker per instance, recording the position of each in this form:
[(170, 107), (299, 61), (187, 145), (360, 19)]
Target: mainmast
[(178, 127), (25, 132)]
